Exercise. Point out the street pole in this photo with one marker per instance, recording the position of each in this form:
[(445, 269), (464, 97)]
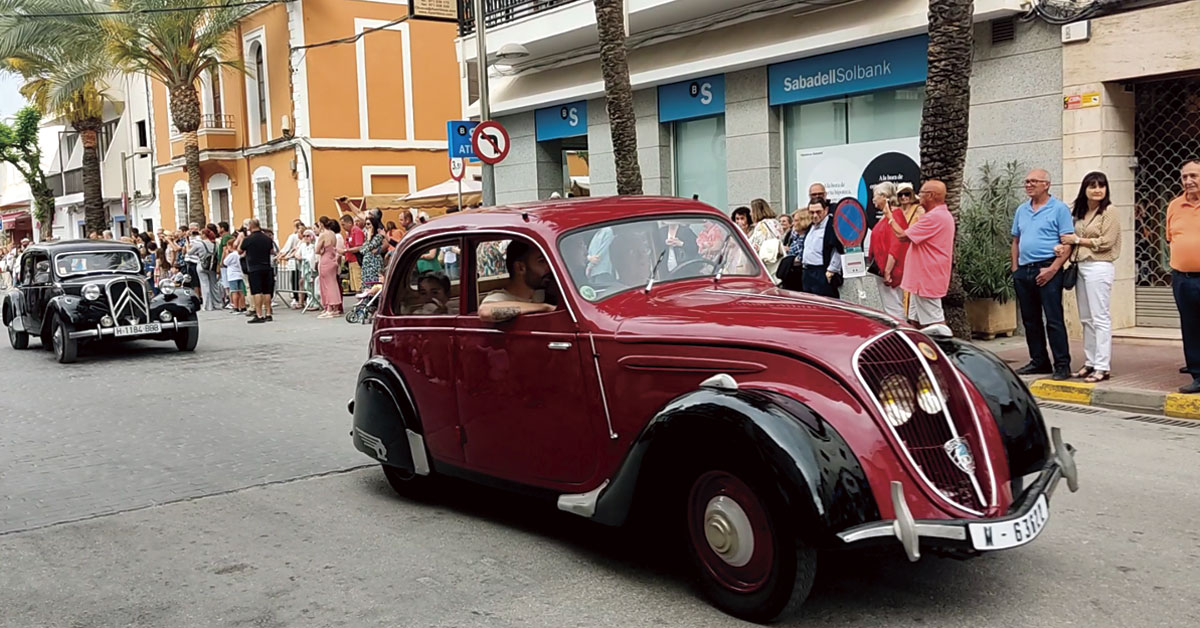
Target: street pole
[(125, 205), (485, 111)]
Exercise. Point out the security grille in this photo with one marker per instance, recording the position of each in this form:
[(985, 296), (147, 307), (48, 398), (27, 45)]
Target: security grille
[(1166, 133)]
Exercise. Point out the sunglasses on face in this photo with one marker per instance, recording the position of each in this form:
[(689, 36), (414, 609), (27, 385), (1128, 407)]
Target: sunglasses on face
[(904, 194)]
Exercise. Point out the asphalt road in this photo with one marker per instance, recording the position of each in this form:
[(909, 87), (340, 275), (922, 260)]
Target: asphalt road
[(220, 489)]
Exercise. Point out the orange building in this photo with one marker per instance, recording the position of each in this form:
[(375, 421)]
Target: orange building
[(305, 125)]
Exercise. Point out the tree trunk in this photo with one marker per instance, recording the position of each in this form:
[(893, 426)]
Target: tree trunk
[(43, 206), (94, 214), (610, 21), (185, 112), (944, 121)]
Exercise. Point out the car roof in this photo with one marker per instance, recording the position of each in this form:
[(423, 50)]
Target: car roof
[(76, 246), (556, 216)]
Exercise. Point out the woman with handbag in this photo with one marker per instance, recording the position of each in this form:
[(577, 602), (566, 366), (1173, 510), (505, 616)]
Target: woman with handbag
[(1097, 244), (766, 239)]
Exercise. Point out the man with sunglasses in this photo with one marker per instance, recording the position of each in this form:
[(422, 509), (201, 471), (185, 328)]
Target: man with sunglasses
[(1039, 223), (816, 193)]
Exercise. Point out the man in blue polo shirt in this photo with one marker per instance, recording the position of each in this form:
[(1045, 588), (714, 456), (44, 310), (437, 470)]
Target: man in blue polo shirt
[(1037, 227)]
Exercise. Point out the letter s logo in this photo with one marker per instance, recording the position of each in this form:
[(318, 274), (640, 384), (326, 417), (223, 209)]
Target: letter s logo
[(706, 95), (573, 116)]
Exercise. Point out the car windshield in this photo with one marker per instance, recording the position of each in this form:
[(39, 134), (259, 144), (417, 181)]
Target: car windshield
[(610, 259), (85, 262)]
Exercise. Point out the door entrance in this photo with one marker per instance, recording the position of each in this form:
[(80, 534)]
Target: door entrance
[(1166, 133), (220, 206)]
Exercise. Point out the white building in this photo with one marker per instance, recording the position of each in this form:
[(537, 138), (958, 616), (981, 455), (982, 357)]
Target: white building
[(126, 145)]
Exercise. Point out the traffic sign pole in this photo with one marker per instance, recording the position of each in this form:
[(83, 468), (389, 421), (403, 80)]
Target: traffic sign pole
[(485, 108)]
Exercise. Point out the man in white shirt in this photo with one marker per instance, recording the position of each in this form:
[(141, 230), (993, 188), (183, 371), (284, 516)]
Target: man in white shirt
[(525, 293), (821, 254)]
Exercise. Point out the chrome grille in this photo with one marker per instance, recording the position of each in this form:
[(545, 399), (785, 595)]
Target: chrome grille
[(925, 436), (128, 302)]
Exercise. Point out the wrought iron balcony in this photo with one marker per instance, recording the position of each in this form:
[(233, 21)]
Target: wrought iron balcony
[(497, 12)]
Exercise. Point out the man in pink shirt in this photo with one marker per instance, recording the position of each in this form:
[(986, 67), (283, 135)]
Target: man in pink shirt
[(927, 267)]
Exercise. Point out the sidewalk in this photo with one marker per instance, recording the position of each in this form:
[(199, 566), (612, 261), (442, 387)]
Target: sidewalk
[(1145, 377)]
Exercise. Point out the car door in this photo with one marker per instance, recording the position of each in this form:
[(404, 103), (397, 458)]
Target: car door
[(414, 330), (524, 397), (35, 287)]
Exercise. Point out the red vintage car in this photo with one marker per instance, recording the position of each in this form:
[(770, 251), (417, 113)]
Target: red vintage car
[(631, 355)]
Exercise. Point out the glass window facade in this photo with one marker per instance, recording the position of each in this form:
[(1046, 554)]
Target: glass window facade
[(700, 160), (882, 115)]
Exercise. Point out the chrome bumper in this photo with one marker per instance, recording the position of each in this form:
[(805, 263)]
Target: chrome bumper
[(101, 332), (953, 532)]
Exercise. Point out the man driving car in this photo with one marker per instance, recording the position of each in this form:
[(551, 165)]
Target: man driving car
[(529, 277)]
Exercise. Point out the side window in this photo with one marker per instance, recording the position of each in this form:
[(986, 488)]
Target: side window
[(30, 272), (535, 284), (430, 284), (490, 272)]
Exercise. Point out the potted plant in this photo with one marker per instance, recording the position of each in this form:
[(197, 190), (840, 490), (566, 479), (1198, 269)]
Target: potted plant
[(984, 249)]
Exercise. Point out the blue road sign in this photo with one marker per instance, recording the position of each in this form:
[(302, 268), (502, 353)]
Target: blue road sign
[(850, 222), (459, 133)]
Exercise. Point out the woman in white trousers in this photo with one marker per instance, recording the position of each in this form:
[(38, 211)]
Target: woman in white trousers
[(1097, 244)]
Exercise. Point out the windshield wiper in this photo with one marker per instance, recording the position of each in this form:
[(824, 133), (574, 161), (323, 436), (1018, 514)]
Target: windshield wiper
[(654, 270)]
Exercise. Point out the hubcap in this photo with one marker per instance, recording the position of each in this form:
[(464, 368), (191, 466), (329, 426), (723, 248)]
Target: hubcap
[(730, 532), (59, 339)]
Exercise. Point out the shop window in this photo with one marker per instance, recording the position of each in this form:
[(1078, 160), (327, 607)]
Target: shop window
[(882, 115), (700, 160)]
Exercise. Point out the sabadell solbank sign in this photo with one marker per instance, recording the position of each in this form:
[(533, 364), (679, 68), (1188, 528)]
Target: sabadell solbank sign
[(887, 65)]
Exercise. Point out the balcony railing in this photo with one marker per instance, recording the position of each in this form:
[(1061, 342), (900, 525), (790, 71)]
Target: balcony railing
[(216, 121), (497, 12)]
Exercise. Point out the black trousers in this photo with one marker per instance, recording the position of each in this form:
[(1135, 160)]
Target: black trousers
[(816, 283), (1186, 287), (1036, 301)]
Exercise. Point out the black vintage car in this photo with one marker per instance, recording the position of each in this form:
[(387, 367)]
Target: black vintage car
[(76, 291)]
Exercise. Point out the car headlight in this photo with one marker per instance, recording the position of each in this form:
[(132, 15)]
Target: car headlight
[(166, 286), (896, 398), (928, 398), (91, 292)]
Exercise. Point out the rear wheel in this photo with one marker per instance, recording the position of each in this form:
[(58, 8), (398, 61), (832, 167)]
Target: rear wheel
[(65, 347), (18, 339), (745, 550), (353, 316)]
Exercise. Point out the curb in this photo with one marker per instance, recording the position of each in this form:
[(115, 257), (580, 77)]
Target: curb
[(1173, 405)]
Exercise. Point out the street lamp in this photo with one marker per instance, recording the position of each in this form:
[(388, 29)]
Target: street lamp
[(141, 151), (507, 52)]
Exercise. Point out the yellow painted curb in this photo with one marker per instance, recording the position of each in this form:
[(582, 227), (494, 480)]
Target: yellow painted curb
[(1182, 406), (1070, 392)]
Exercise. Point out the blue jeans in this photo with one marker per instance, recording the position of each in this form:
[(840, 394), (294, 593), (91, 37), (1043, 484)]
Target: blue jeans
[(1186, 287), (1035, 301)]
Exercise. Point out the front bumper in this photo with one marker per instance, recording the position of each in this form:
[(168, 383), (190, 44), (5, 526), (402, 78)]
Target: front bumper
[(955, 534), (167, 327)]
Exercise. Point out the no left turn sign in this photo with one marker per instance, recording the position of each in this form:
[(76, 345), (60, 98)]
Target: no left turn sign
[(490, 142)]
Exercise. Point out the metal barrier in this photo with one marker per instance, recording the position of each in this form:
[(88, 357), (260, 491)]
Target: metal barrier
[(289, 286)]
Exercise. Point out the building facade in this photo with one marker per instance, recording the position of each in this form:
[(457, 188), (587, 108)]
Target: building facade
[(310, 120)]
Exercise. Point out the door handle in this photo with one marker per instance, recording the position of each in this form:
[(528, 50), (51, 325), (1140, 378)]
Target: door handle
[(559, 346), (387, 338)]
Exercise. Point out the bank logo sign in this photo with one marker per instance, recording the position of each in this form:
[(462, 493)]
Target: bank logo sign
[(887, 65), (695, 98), (559, 121)]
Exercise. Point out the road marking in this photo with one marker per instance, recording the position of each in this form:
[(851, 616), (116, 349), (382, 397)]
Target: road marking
[(1182, 406), (1071, 392)]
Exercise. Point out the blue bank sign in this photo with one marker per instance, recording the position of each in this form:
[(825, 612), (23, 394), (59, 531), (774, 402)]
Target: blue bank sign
[(687, 100), (569, 120), (879, 66)]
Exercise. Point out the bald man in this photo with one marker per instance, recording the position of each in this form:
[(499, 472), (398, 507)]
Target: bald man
[(816, 193), (1039, 223), (926, 276)]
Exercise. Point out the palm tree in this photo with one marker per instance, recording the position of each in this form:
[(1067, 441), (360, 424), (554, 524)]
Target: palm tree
[(63, 65), (944, 120), (176, 48), (610, 21)]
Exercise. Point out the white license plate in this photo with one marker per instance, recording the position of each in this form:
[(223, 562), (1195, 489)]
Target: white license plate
[(995, 536), (137, 330)]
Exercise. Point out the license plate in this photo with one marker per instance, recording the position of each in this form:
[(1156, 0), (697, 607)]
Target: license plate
[(138, 330), (1003, 535)]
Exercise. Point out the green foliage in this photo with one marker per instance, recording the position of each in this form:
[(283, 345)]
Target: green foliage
[(19, 147), (985, 232)]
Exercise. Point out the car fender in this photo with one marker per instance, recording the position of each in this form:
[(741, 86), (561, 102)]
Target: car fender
[(180, 306), (10, 313), (386, 424), (65, 305), (821, 480), (1018, 418)]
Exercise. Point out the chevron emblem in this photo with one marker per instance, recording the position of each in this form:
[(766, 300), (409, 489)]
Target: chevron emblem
[(128, 306)]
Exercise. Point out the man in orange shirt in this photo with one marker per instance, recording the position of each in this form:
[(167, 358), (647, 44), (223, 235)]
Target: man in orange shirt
[(1183, 233)]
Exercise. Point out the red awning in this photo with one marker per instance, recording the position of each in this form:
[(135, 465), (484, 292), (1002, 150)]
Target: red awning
[(17, 220)]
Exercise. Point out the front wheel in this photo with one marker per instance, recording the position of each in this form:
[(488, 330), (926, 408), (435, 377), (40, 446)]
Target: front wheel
[(353, 316), (18, 339), (65, 347), (404, 482), (186, 339), (746, 552)]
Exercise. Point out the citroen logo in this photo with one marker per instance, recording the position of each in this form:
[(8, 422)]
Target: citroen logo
[(127, 306)]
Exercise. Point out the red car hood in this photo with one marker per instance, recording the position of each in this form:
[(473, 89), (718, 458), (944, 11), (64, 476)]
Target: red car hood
[(825, 330)]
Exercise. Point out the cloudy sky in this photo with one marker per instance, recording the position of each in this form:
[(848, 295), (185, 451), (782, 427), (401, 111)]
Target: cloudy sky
[(11, 101)]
